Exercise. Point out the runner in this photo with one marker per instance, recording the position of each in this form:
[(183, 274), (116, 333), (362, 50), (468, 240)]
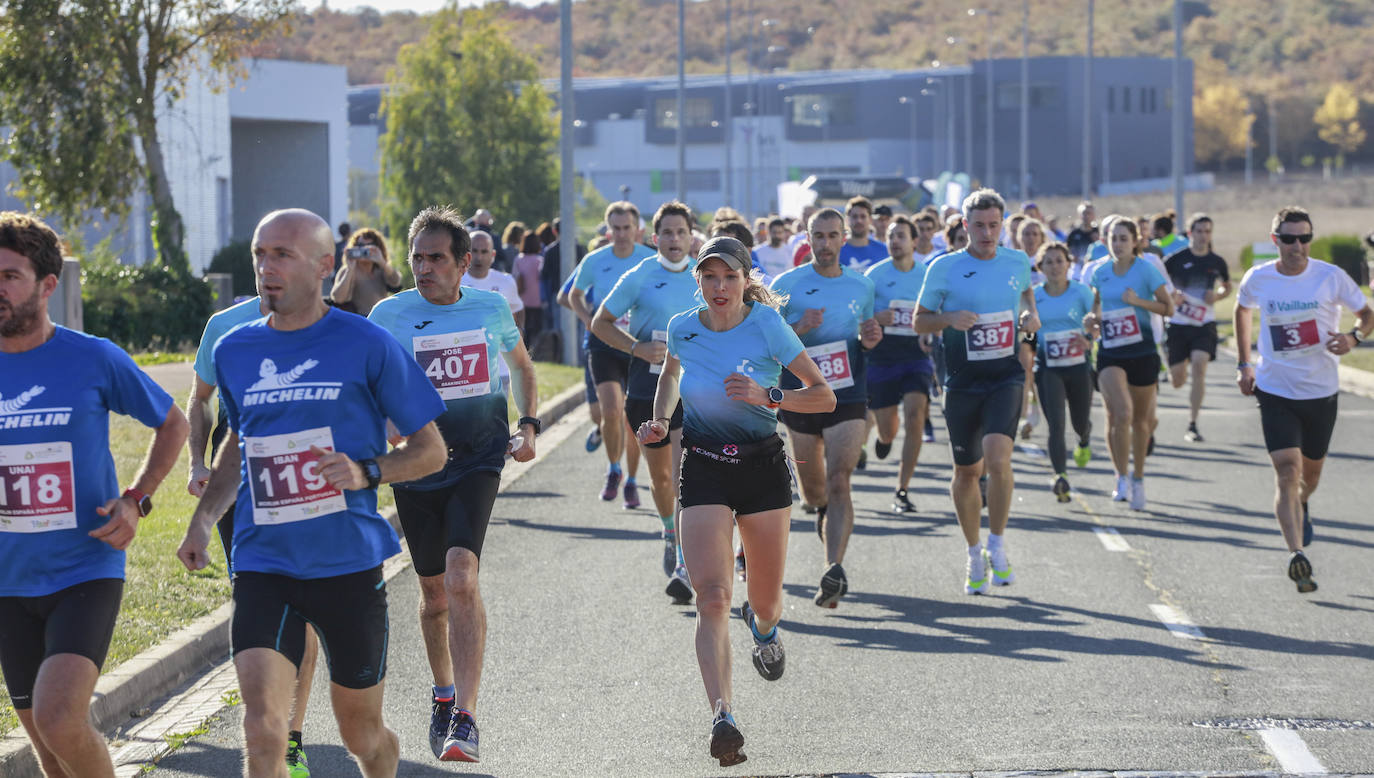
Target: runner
[(308, 390), (198, 409), (1296, 381), (1030, 236), (724, 360), (63, 520), (861, 250), (656, 290), (1128, 290), (1061, 370), (973, 296), (899, 370), (924, 250), (830, 307), (1200, 278), (610, 369)]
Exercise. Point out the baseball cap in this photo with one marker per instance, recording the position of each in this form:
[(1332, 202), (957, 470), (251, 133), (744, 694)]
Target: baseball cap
[(883, 210), (728, 250)]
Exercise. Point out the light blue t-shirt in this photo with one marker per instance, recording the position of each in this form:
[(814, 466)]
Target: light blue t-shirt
[(984, 357), (459, 347), (759, 347), (860, 258), (597, 274), (652, 295), (1126, 330), (55, 462), (332, 385), (848, 302), (1061, 316), (897, 290), (216, 327)]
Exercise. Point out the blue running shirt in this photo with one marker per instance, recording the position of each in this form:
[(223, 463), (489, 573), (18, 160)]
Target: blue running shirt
[(55, 462), (759, 347), (651, 295), (860, 258), (898, 291), (332, 385), (1061, 317), (597, 274), (458, 346), (216, 327), (848, 302), (984, 357), (1126, 329)]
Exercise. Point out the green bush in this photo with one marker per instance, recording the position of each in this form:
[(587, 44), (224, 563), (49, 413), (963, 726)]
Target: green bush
[(236, 259), (144, 307), (1247, 258), (1344, 251)]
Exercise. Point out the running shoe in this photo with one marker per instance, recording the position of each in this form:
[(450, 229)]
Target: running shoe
[(593, 439), (679, 586), (1002, 574), (1306, 527), (1300, 572), (726, 740), (296, 766), (1192, 435), (769, 658), (612, 487), (881, 449), (863, 459), (820, 523), (1137, 494), (669, 552), (740, 571), (631, 495), (461, 744), (1082, 455), (440, 715), (1061, 488), (929, 435), (833, 586), (901, 503), (1122, 492), (977, 582)]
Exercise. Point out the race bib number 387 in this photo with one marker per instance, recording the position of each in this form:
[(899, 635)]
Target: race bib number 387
[(36, 487), (993, 336), (284, 477), (456, 362)]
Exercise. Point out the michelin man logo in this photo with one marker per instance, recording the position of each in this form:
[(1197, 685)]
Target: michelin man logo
[(270, 379)]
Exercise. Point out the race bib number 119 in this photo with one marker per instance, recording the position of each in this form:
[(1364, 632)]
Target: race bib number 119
[(284, 477)]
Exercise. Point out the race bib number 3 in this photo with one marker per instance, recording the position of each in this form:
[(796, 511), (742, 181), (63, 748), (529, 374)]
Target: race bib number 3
[(36, 492), (1192, 309), (456, 362), (1294, 335), (284, 477), (993, 336), (1063, 348), (903, 314), (1120, 327), (660, 336), (833, 360)]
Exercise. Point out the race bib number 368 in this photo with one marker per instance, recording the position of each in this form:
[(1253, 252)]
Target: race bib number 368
[(456, 362), (36, 487), (284, 477), (903, 314)]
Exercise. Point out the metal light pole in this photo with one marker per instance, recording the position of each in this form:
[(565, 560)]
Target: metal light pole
[(911, 101), (1178, 110), (751, 100), (929, 91), (1087, 110), (1022, 186), (990, 170), (681, 101), (729, 110), (567, 237)]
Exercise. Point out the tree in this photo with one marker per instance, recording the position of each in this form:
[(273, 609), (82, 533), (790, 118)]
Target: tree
[(80, 86), (1338, 120), (1221, 123), (467, 124)]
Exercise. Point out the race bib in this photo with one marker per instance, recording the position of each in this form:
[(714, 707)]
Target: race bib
[(1063, 348), (1294, 335), (1192, 309), (993, 336), (36, 493), (659, 336), (456, 362), (1120, 327), (903, 316), (833, 360), (284, 477)]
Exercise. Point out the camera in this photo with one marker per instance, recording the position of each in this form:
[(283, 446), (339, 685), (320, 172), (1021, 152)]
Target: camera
[(358, 252)]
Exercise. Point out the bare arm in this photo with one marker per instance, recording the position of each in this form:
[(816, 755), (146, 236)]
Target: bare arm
[(162, 455), (816, 396), (604, 327), (928, 322), (1245, 372), (666, 397), (202, 421), (1030, 315), (577, 300), (216, 498), (391, 276), (525, 386), (342, 291)]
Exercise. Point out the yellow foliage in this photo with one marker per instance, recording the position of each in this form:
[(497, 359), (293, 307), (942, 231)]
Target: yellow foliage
[(1221, 123), (1338, 119)]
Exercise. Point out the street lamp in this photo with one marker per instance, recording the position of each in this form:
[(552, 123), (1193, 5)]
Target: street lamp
[(911, 101), (991, 170), (932, 87), (968, 110)]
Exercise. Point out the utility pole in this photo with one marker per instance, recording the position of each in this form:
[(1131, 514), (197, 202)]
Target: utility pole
[(1023, 186), (1088, 89), (681, 101), (1178, 110), (729, 110), (567, 231)]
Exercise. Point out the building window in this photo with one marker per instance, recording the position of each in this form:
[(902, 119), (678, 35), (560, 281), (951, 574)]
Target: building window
[(1041, 96), (700, 112), (822, 110)]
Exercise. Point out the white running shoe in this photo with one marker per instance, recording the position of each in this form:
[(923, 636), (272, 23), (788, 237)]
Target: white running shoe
[(1122, 492), (977, 582), (1137, 494), (1002, 574)]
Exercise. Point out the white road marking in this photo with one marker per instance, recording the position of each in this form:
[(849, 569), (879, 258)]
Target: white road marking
[(1177, 622), (1111, 539), (1288, 747)]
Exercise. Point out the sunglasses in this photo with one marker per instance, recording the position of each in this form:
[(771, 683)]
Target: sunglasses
[(1291, 239)]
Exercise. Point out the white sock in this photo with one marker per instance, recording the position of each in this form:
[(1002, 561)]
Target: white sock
[(975, 550), (994, 543)]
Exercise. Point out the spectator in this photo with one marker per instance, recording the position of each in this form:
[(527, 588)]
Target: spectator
[(882, 217), (344, 229), (367, 276), (529, 265), (512, 240), (551, 277), (774, 255)]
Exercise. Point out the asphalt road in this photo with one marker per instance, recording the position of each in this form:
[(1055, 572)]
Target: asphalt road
[(590, 669)]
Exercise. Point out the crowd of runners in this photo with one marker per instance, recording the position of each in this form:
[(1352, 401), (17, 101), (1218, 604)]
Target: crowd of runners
[(748, 366)]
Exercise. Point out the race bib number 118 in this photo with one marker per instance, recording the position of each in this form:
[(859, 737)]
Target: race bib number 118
[(36, 493)]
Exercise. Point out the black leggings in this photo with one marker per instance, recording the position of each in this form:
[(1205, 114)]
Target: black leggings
[(1057, 384)]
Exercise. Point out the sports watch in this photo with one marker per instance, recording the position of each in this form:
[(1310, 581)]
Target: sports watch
[(372, 471), (532, 421), (143, 502), (774, 396)]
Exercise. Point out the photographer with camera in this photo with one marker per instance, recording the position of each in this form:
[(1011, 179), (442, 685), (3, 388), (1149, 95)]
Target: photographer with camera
[(367, 276)]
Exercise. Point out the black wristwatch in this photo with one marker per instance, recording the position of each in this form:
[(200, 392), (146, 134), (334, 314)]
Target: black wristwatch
[(774, 396), (372, 471), (532, 421)]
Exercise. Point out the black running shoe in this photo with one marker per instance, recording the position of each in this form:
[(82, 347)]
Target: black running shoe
[(726, 741), (1306, 527), (881, 449), (1061, 488), (768, 655), (833, 586), (863, 460), (439, 717), (1300, 572), (820, 523), (679, 586), (1192, 435), (901, 503)]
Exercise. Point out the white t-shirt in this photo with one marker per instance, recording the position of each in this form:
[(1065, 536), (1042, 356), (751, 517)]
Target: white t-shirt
[(924, 259), (775, 261), (504, 285), (1296, 313)]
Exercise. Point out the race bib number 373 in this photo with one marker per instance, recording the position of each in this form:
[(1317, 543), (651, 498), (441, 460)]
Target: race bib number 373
[(36, 487), (456, 362), (284, 477)]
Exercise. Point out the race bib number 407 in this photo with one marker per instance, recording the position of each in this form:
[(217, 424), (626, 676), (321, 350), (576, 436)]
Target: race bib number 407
[(36, 492), (833, 360), (456, 362), (284, 477), (1294, 335), (993, 336)]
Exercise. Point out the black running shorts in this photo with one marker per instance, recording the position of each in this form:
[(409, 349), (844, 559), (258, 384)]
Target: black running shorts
[(1304, 424), (747, 478), (969, 415), (1142, 370), (454, 516), (817, 423), (609, 366), (76, 620), (639, 411), (1184, 339)]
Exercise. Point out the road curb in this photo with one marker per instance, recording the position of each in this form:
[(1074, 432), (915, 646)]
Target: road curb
[(1352, 379), (121, 693)]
